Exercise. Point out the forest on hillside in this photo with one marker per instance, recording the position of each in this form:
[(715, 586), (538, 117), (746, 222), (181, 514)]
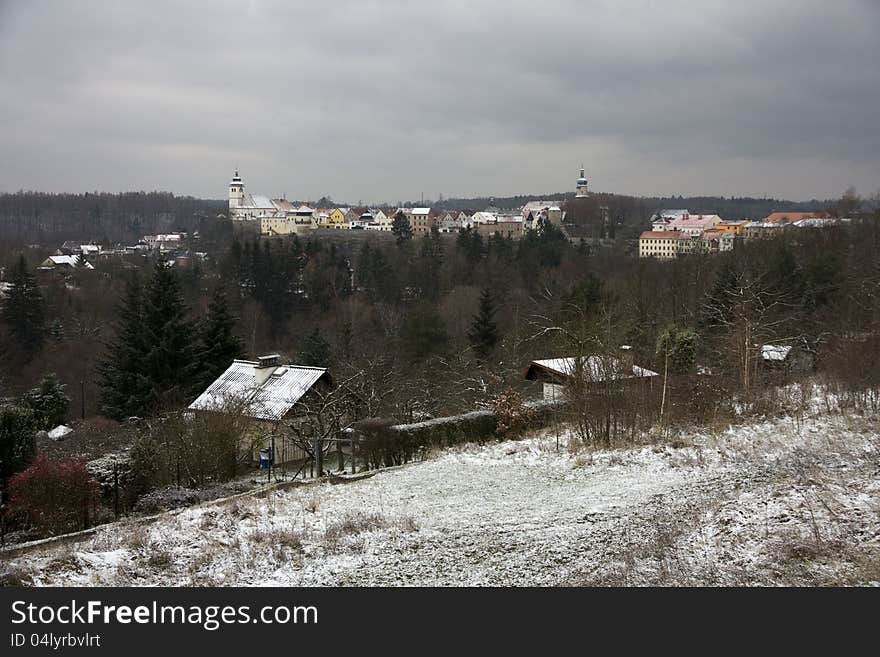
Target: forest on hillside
[(412, 329)]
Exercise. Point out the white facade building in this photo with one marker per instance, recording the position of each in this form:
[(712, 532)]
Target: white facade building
[(276, 216)]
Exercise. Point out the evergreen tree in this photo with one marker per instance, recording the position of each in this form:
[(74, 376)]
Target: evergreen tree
[(678, 347), (344, 339), (427, 267), (315, 351), (48, 402), (169, 363), (23, 309), (483, 335), (423, 333), (401, 229), (121, 373), (150, 363), (219, 345)]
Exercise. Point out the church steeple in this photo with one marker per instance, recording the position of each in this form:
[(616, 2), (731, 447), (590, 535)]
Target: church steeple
[(581, 189), (236, 191)]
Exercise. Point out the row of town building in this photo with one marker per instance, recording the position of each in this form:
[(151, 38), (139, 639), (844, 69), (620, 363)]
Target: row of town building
[(281, 217), (173, 247), (678, 232)]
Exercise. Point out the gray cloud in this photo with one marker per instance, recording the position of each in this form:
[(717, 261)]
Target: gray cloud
[(383, 100)]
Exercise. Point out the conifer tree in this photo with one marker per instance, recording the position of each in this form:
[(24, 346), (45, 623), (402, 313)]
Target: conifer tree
[(218, 343), (401, 229), (483, 335), (121, 372), (169, 363), (23, 309), (315, 351)]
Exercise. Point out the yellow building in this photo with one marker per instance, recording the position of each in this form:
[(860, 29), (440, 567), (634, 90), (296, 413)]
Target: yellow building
[(337, 216), (734, 227)]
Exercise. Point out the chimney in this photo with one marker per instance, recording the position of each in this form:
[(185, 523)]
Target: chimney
[(264, 368), (626, 359)]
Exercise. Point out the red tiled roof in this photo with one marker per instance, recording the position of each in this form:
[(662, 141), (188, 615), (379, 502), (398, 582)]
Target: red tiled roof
[(777, 217), (659, 235)]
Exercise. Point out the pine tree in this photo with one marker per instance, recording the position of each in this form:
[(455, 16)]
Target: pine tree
[(121, 372), (169, 363), (48, 402), (315, 351), (219, 345), (423, 333), (483, 335), (23, 309), (401, 229)]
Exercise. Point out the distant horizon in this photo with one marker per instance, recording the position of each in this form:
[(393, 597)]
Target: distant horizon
[(434, 201), (382, 101)]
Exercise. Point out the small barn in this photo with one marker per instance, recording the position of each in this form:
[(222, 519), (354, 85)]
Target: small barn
[(554, 373)]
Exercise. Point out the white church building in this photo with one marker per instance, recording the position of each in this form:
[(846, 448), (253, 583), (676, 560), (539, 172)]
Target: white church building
[(276, 216)]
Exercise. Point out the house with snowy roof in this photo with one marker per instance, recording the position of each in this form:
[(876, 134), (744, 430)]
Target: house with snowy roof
[(694, 224), (556, 373), (61, 262), (786, 358), (263, 389), (276, 397)]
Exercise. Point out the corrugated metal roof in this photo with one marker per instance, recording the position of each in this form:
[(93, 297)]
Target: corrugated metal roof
[(595, 368), (271, 400)]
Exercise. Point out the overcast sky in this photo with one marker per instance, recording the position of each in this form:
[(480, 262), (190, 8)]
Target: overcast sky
[(387, 100)]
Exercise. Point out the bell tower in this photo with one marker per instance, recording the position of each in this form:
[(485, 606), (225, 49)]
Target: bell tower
[(581, 189), (236, 191)]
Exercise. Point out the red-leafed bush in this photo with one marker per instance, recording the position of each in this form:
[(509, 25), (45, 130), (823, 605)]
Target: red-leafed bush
[(514, 417), (56, 495)]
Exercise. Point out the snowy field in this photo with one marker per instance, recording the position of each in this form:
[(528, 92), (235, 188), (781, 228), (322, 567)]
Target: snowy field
[(777, 502)]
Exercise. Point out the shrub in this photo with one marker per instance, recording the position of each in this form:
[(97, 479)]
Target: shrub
[(513, 415), (56, 495), (17, 439)]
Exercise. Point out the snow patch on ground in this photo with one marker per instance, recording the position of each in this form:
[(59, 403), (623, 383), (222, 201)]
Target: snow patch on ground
[(775, 502)]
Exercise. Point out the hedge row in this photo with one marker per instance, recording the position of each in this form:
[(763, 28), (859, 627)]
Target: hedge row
[(382, 444)]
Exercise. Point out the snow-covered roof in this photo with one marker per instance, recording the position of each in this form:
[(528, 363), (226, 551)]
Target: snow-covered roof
[(790, 217), (670, 214), (594, 368), (421, 211), (261, 394), (65, 261), (775, 352), (695, 221), (262, 202), (70, 260), (59, 432), (538, 205), (484, 217)]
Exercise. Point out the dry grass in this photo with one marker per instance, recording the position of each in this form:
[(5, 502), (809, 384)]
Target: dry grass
[(352, 525)]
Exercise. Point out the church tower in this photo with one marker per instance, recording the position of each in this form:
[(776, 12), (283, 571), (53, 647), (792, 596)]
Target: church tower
[(581, 189), (236, 192)]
